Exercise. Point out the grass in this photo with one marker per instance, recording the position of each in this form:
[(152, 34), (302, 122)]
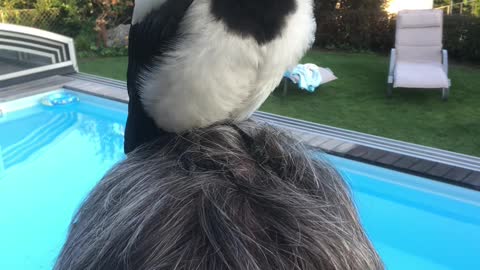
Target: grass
[(357, 101), (110, 67)]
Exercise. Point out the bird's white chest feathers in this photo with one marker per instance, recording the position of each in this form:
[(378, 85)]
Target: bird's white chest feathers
[(213, 75)]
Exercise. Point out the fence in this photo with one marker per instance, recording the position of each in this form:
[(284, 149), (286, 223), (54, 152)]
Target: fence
[(42, 19)]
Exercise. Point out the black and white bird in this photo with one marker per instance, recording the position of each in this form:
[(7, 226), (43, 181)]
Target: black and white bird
[(193, 63)]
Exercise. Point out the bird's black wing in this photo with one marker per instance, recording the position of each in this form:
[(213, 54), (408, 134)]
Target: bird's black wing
[(149, 39)]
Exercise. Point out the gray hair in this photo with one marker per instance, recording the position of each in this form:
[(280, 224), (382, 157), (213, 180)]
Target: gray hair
[(237, 197)]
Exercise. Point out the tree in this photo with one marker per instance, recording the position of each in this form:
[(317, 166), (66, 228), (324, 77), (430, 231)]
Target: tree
[(440, 3), (469, 7), (353, 24), (17, 4), (110, 14)]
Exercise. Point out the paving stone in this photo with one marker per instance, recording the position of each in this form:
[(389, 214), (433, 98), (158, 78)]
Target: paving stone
[(317, 141), (344, 148), (357, 151), (389, 159), (439, 170), (330, 144), (374, 154), (423, 166), (457, 174), (406, 162), (473, 179)]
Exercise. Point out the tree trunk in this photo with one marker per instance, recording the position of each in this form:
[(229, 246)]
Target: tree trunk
[(101, 33)]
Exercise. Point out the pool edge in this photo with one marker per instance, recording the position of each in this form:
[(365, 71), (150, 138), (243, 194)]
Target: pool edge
[(436, 164)]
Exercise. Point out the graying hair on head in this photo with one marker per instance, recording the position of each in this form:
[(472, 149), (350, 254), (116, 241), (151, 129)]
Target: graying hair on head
[(233, 196)]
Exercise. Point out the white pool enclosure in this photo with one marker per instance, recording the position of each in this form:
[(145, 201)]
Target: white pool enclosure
[(28, 53)]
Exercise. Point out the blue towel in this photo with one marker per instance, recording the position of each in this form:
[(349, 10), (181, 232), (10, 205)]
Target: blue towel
[(306, 76)]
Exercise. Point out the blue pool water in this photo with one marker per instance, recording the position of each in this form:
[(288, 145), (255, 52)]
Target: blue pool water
[(50, 157)]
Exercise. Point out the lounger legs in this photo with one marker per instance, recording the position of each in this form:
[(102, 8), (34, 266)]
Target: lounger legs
[(445, 93)]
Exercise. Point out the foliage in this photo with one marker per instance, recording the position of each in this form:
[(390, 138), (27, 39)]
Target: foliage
[(102, 51), (73, 17), (362, 4), (17, 4), (468, 7), (43, 14), (40, 18), (356, 25), (358, 28), (118, 11), (110, 13), (439, 3), (462, 37)]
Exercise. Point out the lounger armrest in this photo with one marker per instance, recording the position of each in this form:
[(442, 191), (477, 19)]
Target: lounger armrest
[(393, 60)]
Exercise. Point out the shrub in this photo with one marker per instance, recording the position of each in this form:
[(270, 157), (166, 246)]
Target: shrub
[(74, 17), (374, 30), (462, 37), (363, 29), (110, 13), (95, 51), (86, 37)]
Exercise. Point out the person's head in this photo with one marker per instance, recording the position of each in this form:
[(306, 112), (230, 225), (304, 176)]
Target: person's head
[(236, 197)]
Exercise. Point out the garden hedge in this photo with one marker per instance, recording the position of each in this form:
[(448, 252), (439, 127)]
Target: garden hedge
[(355, 30), (462, 37), (374, 30), (353, 25)]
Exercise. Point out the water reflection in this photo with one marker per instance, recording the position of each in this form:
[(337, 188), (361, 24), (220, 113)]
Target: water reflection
[(25, 137), (107, 136)]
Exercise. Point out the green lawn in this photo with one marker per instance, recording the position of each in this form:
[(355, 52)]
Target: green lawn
[(357, 101), (114, 67)]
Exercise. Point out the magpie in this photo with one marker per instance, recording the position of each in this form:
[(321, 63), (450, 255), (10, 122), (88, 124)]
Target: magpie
[(194, 63)]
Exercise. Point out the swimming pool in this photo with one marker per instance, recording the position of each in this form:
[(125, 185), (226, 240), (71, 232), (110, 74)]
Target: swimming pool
[(50, 157)]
